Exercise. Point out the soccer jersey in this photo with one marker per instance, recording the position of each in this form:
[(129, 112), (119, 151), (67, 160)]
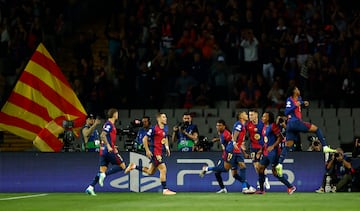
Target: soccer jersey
[(226, 140), (270, 133), (292, 110), (238, 126), (256, 140), (110, 130), (157, 138)]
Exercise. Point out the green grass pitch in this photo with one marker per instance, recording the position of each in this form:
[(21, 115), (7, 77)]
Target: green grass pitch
[(181, 201)]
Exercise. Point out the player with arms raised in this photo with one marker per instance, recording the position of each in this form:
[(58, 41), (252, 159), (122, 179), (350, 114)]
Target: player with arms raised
[(295, 125)]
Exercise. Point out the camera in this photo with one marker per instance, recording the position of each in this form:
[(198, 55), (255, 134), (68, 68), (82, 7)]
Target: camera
[(130, 133), (336, 154), (68, 135), (281, 120), (316, 143), (204, 144), (183, 125)]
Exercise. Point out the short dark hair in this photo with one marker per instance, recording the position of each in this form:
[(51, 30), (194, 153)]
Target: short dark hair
[(271, 117), (221, 121)]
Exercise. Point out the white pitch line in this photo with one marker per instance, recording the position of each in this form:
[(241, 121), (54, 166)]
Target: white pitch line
[(23, 197)]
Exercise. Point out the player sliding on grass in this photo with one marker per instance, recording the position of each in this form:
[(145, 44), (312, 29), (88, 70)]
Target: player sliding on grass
[(154, 141)]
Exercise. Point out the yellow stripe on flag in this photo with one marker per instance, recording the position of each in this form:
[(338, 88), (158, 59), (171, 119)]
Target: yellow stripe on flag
[(41, 99), (26, 115), (57, 85)]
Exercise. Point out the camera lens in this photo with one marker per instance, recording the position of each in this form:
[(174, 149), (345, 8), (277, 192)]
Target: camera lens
[(336, 154)]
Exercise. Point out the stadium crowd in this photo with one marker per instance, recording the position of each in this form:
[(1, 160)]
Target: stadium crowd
[(193, 53)]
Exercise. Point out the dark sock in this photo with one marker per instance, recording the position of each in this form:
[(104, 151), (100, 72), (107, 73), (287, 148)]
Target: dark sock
[(283, 154), (217, 168), (244, 184), (261, 181), (139, 167), (163, 184), (320, 135), (113, 170), (219, 179), (284, 181), (243, 173), (95, 180)]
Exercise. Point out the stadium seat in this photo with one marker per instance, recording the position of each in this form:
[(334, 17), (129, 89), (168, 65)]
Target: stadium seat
[(136, 113), (226, 113), (232, 104), (123, 113), (329, 112), (331, 131), (222, 104), (151, 113), (179, 112), (210, 112), (315, 113), (196, 112), (356, 113), (168, 111), (343, 112)]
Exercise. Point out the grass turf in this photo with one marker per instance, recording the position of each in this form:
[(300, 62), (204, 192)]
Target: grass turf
[(182, 201)]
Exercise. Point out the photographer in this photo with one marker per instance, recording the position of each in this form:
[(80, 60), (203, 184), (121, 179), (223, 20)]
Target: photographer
[(185, 134), (356, 149), (146, 124), (315, 145), (90, 139), (339, 169)]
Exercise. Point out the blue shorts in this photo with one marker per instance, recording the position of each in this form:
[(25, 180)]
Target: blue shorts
[(234, 159), (114, 159), (294, 127), (271, 159), (253, 153)]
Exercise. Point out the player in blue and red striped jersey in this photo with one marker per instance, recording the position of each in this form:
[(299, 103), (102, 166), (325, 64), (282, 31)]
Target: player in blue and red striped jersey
[(224, 138), (154, 142), (254, 127), (236, 151), (108, 152), (295, 125), (272, 138)]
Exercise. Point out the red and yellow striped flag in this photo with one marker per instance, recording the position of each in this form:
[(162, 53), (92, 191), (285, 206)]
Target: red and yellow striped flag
[(41, 99)]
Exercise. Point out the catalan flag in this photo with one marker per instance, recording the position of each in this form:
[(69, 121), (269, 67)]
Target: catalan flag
[(39, 103)]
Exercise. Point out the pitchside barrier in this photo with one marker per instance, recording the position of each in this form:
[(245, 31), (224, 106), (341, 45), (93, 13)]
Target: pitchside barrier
[(72, 172)]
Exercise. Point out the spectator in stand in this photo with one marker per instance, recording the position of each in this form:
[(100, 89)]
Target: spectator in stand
[(276, 96), (250, 45), (249, 96), (219, 76), (82, 47), (303, 41), (184, 84)]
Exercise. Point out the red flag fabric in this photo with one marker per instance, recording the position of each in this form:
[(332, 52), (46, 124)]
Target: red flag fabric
[(39, 103)]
